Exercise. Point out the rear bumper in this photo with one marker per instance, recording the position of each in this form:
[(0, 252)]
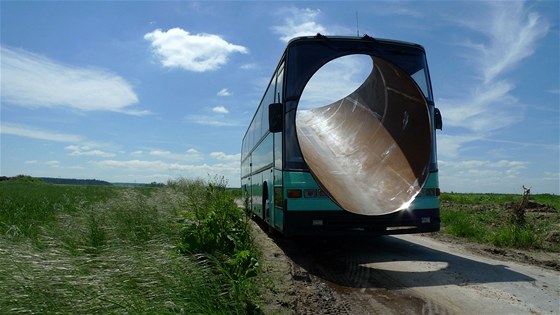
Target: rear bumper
[(346, 223)]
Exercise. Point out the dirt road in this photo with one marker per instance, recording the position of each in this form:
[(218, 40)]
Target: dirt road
[(408, 274)]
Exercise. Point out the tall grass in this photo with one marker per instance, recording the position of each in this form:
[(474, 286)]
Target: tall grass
[(108, 250), (26, 207)]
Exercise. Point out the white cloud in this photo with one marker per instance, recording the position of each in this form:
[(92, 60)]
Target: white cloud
[(299, 22), (230, 169), (190, 154), (473, 165), (481, 175), (554, 176), (449, 146), (511, 33), (177, 48), (160, 152), (249, 66), (226, 157), (224, 92), (97, 153), (87, 150), (489, 107), (34, 133), (32, 80), (211, 121), (220, 110), (514, 33), (53, 163)]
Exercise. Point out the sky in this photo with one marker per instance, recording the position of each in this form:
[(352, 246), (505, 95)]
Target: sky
[(128, 91)]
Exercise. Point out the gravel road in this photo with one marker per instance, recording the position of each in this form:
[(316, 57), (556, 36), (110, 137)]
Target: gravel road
[(409, 274)]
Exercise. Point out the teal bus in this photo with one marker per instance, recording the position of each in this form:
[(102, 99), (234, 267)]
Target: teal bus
[(299, 184)]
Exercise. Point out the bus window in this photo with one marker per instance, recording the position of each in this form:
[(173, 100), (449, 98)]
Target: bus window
[(420, 79), (257, 132), (279, 85)]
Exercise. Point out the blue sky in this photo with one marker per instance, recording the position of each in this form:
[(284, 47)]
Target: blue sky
[(150, 91)]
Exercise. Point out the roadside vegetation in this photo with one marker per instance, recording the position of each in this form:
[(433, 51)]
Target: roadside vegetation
[(508, 221), (183, 248)]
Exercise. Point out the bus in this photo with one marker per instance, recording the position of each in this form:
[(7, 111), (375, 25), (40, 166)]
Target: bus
[(344, 140)]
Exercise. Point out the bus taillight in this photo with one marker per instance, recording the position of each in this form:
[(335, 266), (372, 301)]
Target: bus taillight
[(294, 193)]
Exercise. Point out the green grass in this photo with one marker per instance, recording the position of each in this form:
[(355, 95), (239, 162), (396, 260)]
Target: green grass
[(113, 250), (486, 219), (26, 207)]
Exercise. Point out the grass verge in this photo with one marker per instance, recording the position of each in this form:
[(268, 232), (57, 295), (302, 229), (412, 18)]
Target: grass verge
[(113, 250)]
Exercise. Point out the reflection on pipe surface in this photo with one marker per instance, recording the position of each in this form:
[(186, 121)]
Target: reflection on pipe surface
[(370, 150)]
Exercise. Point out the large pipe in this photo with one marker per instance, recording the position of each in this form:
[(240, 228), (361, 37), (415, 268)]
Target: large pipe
[(370, 150)]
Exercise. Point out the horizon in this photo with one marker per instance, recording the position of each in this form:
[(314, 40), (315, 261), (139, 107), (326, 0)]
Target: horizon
[(155, 91)]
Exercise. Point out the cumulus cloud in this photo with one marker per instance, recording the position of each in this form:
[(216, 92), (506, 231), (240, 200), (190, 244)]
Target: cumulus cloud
[(34, 133), (177, 48), (220, 110), (299, 22), (32, 80)]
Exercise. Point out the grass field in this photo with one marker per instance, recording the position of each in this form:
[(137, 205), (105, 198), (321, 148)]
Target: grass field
[(488, 218), (114, 250), (184, 248)]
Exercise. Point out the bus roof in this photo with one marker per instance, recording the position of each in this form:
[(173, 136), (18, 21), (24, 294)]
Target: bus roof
[(382, 41)]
